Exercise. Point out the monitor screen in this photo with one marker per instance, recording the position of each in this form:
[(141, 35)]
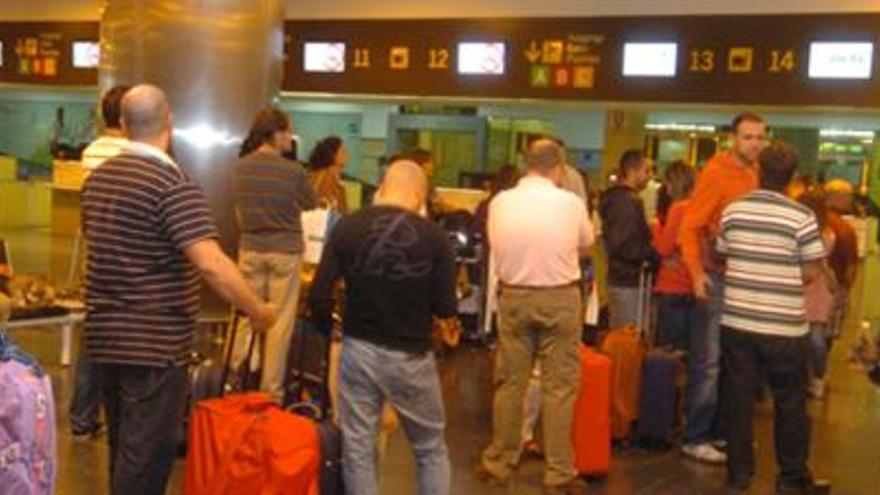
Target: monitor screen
[(86, 54), (650, 59), (481, 58), (324, 57), (841, 60)]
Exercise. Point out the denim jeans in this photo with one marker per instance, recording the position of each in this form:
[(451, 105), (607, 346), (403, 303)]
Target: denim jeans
[(623, 306), (704, 367), (749, 359), (818, 350), (679, 316), (370, 375), (145, 408), (86, 395)]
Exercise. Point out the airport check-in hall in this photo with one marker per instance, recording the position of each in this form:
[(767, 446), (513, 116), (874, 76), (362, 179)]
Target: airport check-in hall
[(362, 248)]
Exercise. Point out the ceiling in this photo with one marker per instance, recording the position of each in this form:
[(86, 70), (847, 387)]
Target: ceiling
[(302, 9)]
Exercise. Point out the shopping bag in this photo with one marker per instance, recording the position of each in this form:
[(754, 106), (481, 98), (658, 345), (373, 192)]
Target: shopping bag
[(591, 311), (316, 225)]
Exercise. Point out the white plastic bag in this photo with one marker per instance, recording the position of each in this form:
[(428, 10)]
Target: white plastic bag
[(316, 225), (591, 309)]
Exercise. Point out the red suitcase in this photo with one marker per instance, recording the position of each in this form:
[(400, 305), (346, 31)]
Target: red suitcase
[(591, 429)]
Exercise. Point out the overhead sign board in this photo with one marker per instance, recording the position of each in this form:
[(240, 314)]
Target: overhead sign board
[(752, 60)]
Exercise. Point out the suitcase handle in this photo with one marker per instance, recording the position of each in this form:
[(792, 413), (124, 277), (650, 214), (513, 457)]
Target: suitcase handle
[(231, 337), (643, 312)]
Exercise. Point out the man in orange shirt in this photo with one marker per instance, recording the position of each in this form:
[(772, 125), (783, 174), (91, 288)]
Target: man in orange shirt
[(726, 177)]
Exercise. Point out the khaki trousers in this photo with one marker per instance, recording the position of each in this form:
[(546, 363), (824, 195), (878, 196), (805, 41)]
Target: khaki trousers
[(542, 324), (275, 279)]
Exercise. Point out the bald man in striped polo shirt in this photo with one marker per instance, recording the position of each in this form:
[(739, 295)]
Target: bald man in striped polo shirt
[(150, 239)]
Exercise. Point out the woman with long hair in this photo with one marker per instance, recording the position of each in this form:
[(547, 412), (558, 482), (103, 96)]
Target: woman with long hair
[(326, 163)]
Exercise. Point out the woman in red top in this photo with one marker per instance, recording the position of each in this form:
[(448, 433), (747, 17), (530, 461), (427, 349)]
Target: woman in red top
[(678, 310)]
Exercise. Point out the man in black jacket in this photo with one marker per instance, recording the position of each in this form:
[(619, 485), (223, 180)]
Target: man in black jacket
[(626, 237), (399, 274)]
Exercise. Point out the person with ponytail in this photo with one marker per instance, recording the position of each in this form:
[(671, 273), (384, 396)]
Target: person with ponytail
[(270, 194)]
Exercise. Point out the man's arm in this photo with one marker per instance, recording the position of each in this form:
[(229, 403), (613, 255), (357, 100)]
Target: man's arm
[(811, 271), (223, 276), (444, 303), (702, 206), (586, 234)]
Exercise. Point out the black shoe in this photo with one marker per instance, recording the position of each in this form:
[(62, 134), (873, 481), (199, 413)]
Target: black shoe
[(92, 433), (808, 487), (739, 483)]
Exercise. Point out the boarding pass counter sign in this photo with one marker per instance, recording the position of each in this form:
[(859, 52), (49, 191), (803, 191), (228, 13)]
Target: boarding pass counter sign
[(650, 59), (324, 57), (841, 60)]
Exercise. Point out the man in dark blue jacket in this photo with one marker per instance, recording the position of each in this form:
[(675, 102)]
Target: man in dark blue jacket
[(626, 237)]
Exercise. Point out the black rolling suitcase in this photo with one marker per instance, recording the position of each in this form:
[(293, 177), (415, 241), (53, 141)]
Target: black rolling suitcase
[(307, 393), (663, 381), (208, 377)]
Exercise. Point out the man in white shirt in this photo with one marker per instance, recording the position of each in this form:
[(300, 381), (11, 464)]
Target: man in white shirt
[(538, 233), (86, 397), (112, 139)]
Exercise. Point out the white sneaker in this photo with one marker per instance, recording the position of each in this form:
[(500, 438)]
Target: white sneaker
[(704, 452)]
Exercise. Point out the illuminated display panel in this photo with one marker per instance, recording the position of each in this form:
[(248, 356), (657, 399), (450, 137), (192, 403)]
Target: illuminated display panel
[(481, 58), (650, 59), (85, 54), (841, 60), (324, 57)]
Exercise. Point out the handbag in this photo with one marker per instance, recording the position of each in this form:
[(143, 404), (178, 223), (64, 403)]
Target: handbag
[(317, 225)]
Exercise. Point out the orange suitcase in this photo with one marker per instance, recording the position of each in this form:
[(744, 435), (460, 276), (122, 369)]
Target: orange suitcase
[(245, 444), (592, 424), (627, 353)]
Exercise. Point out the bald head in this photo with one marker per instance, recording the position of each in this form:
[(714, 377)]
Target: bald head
[(404, 185), (146, 115), (544, 157)]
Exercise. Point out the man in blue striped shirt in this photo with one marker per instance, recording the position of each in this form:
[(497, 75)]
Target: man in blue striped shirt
[(772, 247)]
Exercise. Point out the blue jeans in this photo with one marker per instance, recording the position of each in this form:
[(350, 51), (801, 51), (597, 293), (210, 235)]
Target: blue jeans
[(818, 350), (145, 408), (86, 395), (371, 374), (623, 306), (679, 316), (704, 367)]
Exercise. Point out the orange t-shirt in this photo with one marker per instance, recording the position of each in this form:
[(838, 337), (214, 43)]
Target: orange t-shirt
[(723, 180)]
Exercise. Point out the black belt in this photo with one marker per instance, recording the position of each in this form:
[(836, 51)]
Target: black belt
[(505, 285)]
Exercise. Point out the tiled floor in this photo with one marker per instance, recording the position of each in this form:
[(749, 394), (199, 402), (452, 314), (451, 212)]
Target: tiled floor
[(845, 437)]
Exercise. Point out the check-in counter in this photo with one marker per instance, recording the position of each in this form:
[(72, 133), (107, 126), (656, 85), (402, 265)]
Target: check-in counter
[(67, 182), (23, 203)]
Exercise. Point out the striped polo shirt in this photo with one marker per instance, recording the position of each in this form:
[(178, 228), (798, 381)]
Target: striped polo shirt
[(139, 211), (271, 193), (767, 238)]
